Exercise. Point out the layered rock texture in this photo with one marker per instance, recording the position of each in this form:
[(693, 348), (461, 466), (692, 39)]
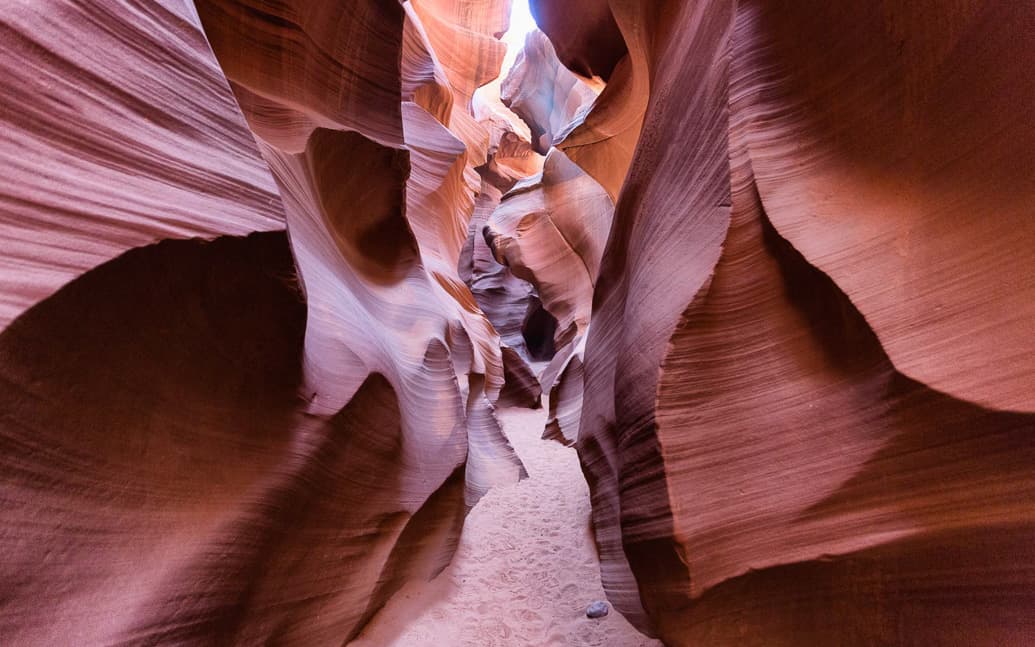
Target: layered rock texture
[(237, 437), (809, 372), (272, 267), (545, 94)]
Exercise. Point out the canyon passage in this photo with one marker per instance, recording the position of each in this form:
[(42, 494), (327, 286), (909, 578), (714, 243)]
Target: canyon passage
[(493, 323)]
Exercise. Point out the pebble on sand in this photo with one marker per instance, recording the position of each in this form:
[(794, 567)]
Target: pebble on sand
[(597, 610)]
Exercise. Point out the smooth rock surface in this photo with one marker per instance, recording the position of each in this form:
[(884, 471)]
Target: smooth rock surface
[(274, 271), (256, 439), (771, 462)]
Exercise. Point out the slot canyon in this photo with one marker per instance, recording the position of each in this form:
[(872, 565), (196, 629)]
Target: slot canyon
[(508, 323)]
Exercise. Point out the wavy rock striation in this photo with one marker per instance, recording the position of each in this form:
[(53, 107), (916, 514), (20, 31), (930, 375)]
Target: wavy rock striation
[(550, 230), (807, 399), (547, 97), (118, 129), (271, 267), (378, 207), (255, 439)]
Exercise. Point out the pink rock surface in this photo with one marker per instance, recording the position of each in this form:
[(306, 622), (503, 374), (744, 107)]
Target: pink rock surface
[(272, 267), (924, 172), (117, 130), (802, 374), (264, 436), (548, 97), (550, 230)]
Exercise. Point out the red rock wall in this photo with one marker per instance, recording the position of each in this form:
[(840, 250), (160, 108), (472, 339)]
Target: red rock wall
[(807, 413), (239, 439), (117, 130), (550, 230), (248, 391)]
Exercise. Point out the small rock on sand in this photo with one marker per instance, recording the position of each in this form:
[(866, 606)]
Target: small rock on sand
[(597, 609)]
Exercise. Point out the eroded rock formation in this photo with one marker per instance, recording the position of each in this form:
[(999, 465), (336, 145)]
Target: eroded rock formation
[(807, 413), (271, 267), (255, 439), (105, 148), (545, 94), (550, 230)]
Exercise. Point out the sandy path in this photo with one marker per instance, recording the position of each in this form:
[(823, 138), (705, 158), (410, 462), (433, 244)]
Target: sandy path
[(524, 571)]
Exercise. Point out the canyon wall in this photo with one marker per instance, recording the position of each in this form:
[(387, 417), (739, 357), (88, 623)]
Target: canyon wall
[(247, 393), (271, 267), (809, 373)]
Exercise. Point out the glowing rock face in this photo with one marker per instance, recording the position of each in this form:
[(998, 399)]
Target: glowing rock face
[(548, 97)]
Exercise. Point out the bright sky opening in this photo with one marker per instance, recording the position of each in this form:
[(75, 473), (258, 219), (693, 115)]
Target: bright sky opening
[(487, 97), (521, 22)]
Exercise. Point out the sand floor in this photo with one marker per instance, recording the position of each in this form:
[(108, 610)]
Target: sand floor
[(524, 571)]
